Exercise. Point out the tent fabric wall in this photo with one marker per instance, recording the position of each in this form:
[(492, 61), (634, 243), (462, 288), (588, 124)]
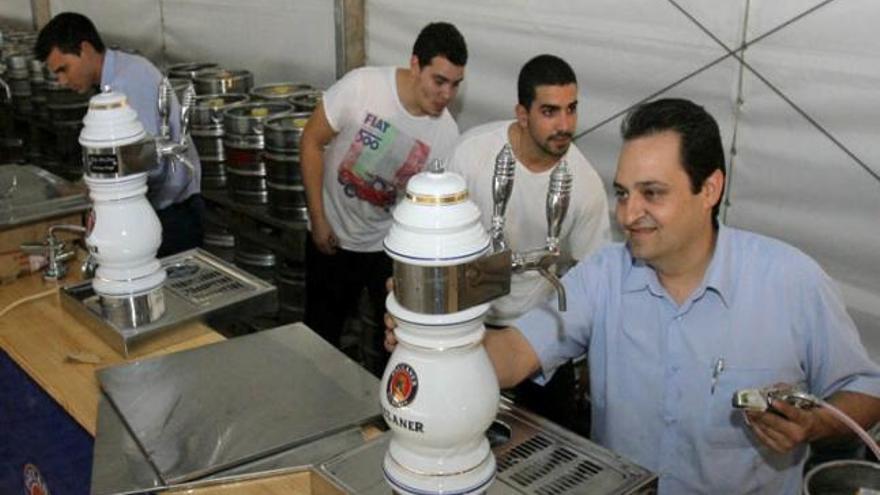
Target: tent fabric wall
[(132, 24), (277, 40), (16, 13), (793, 84)]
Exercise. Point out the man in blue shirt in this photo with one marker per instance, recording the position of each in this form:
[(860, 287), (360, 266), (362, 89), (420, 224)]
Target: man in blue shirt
[(72, 49), (686, 313)]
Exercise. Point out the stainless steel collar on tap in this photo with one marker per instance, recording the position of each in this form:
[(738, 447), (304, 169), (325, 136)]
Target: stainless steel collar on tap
[(118, 160), (435, 289)]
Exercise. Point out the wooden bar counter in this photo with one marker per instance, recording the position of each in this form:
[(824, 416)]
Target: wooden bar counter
[(60, 353)]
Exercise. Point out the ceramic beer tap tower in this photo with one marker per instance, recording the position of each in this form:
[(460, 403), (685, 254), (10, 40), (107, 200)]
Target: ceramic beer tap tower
[(439, 392), (124, 232)]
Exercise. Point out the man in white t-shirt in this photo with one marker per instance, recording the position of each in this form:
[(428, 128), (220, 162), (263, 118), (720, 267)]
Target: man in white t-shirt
[(540, 137), (375, 128)]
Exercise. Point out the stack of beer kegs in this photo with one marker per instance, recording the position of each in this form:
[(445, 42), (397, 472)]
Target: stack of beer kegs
[(243, 145), (214, 81), (65, 109), (206, 130)]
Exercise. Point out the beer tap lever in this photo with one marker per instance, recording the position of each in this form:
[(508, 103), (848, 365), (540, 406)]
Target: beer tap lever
[(186, 106), (558, 198), (166, 146), (166, 93), (542, 260), (502, 186)]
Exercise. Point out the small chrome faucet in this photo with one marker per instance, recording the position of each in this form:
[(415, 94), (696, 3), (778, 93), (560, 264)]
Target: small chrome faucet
[(56, 251)]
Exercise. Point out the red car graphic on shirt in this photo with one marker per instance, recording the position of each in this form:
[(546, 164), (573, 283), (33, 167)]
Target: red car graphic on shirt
[(373, 189)]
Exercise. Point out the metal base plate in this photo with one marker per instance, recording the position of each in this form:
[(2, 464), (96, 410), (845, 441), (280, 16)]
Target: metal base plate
[(199, 285)]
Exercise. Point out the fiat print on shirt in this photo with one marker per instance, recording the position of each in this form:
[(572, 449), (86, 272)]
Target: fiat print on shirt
[(380, 161)]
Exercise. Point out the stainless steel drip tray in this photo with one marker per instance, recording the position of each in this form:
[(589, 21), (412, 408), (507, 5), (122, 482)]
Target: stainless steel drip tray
[(199, 286), (534, 456)]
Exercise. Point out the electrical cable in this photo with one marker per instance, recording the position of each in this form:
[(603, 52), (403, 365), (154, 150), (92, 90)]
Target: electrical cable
[(27, 299)]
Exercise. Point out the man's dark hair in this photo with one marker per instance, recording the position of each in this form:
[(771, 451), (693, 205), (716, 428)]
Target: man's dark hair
[(65, 32), (701, 150), (440, 39), (543, 70)]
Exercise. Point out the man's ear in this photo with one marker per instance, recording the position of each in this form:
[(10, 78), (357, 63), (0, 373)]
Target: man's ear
[(713, 188), (414, 66), (86, 48), (522, 115)]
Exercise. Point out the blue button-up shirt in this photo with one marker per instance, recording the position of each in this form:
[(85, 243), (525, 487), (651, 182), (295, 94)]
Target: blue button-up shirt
[(764, 309), (138, 79)]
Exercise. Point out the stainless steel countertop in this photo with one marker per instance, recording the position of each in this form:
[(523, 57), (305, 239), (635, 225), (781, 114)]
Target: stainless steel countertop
[(209, 410), (29, 194)]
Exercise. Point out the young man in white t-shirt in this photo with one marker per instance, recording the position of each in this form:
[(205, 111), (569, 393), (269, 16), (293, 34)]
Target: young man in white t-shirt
[(540, 137), (375, 128)]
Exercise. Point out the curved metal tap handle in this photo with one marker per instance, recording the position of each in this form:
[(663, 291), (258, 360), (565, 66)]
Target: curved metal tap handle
[(165, 97), (502, 186), (51, 242), (558, 198), (179, 156), (561, 299), (186, 106), (77, 229)]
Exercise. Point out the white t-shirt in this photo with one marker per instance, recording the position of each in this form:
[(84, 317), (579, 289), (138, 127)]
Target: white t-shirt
[(584, 230), (379, 146)]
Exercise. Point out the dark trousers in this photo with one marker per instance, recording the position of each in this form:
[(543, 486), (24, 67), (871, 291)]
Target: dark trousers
[(181, 226), (333, 287), (562, 400)]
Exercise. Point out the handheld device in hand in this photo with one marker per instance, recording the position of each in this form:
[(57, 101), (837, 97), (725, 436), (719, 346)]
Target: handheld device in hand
[(761, 399)]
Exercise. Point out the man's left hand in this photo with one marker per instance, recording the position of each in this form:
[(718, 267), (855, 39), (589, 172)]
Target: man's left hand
[(783, 427)]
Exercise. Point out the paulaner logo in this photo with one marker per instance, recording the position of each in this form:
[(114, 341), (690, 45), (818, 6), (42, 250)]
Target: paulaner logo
[(403, 384)]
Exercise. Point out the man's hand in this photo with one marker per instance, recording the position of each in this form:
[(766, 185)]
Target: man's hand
[(783, 427), (323, 236), (390, 339)]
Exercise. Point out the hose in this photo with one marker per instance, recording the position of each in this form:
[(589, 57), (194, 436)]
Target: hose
[(870, 442), (27, 299)]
